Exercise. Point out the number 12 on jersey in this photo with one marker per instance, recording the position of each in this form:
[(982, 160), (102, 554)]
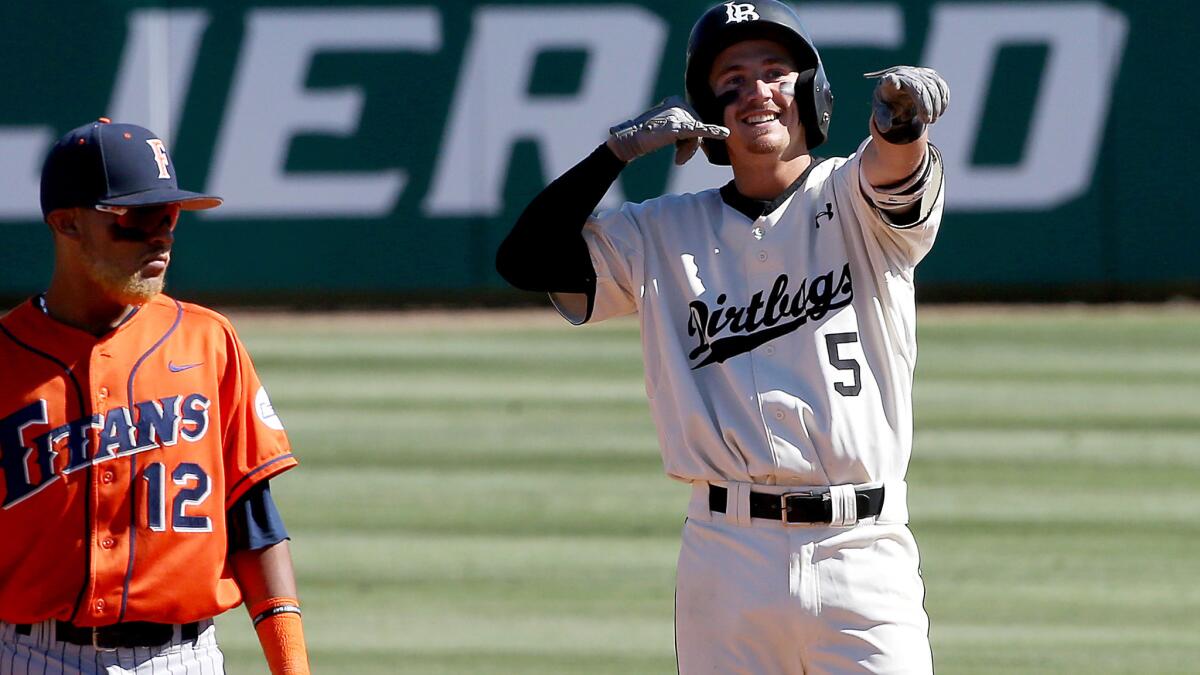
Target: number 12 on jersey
[(156, 497)]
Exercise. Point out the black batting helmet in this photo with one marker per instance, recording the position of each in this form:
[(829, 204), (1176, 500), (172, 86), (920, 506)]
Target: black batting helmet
[(732, 22)]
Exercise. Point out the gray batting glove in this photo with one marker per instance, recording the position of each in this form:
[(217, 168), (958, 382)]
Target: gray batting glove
[(906, 99), (671, 121)]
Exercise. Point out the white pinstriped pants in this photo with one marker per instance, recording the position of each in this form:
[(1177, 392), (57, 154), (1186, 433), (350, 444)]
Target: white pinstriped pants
[(40, 654)]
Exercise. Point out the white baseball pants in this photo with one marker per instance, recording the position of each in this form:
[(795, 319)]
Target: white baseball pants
[(757, 597), (39, 653)]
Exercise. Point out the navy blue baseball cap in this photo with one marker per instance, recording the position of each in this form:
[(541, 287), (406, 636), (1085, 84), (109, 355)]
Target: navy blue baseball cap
[(113, 165)]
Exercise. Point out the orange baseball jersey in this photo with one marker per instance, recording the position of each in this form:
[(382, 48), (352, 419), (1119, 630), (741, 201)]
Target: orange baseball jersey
[(119, 456)]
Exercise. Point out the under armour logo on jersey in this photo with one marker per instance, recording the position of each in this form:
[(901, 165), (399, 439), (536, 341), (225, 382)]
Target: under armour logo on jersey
[(759, 322), (828, 213), (160, 157), (739, 12)]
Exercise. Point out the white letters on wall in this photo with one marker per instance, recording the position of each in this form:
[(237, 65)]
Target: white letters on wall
[(270, 105), (492, 109), (1085, 41), (156, 69)]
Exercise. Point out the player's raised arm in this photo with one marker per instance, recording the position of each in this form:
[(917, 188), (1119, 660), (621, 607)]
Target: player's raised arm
[(906, 101), (545, 251), (671, 122), (895, 165)]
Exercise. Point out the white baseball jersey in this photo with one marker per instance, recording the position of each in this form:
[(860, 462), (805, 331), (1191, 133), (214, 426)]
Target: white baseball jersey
[(779, 350)]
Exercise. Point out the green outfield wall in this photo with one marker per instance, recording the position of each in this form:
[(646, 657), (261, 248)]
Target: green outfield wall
[(376, 150)]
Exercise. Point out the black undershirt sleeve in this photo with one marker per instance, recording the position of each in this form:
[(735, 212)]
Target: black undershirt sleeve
[(546, 251), (254, 522)]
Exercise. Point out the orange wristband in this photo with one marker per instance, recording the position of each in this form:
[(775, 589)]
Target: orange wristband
[(281, 634)]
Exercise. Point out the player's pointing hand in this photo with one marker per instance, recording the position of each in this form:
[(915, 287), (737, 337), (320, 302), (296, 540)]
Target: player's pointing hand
[(671, 121), (907, 98)]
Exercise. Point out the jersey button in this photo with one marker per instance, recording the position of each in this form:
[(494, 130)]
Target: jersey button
[(769, 350), (100, 605), (778, 414), (107, 542), (103, 392), (107, 477), (762, 256)]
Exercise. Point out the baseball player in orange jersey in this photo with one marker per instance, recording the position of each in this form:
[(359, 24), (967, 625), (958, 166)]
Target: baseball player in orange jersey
[(136, 442), (778, 334)]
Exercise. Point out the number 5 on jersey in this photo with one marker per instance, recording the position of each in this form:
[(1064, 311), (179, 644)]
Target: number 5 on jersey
[(832, 341)]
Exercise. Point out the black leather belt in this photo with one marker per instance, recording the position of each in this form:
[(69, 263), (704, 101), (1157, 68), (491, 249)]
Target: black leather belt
[(800, 507), (118, 635)]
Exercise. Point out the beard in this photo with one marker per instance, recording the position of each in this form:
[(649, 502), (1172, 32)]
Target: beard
[(765, 145), (773, 144), (118, 284)]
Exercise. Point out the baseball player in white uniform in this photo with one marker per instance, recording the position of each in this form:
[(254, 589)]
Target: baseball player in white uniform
[(778, 332)]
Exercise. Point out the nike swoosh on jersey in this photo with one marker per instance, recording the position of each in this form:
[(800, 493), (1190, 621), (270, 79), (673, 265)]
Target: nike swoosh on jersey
[(179, 369)]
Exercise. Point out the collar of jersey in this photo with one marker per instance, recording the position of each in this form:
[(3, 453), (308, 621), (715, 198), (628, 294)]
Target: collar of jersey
[(39, 302), (757, 208)]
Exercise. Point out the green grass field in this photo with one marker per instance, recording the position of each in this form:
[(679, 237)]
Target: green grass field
[(482, 493)]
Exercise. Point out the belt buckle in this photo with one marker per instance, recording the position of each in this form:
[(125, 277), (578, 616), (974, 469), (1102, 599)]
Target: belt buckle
[(783, 506), (96, 641)]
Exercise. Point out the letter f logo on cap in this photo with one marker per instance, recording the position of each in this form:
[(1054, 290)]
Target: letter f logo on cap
[(160, 157)]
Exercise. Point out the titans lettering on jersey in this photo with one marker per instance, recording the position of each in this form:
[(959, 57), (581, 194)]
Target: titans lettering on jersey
[(759, 321), (29, 464)]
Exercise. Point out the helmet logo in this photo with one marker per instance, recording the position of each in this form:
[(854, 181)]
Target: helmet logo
[(739, 12)]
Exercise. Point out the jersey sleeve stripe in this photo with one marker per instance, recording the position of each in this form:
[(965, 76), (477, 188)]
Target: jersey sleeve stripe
[(133, 483), (87, 503), (258, 470)]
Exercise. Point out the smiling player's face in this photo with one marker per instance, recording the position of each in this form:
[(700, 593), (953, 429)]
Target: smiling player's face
[(757, 80)]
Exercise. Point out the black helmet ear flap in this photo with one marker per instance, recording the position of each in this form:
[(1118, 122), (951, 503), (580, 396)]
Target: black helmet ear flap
[(804, 79), (806, 107)]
